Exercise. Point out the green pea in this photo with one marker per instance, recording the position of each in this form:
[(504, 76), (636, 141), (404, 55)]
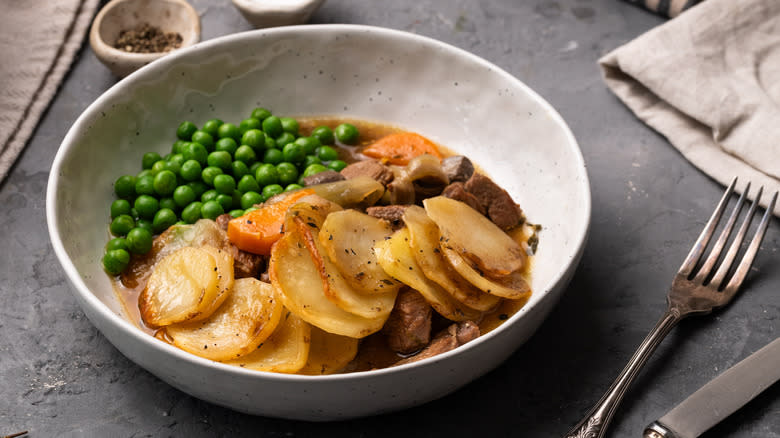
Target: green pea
[(124, 186), (164, 183), (145, 224), (284, 139), (146, 206), (169, 203), (314, 169), (229, 130), (120, 206), (178, 146), (209, 173), (191, 170), (293, 153), (226, 201), (224, 184), (249, 123), (249, 199), (226, 144), (273, 156), (220, 159), (254, 138), (211, 209), (185, 130), (145, 185), (115, 261), (163, 219), (272, 126), (239, 169), (116, 243), (309, 160), (212, 127), (236, 213), (149, 159), (272, 190), (139, 240), (121, 225), (288, 173), (174, 163), (292, 187), (260, 114), (270, 142), (323, 134), (197, 152), (337, 165), (267, 174), (204, 138), (183, 195), (248, 183), (199, 187), (310, 144), (143, 173), (209, 195), (134, 214), (327, 153), (191, 213), (290, 125), (253, 168), (245, 154), (251, 209), (346, 133), (158, 166), (175, 158)]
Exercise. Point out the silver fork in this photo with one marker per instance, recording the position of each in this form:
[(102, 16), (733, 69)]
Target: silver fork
[(693, 292)]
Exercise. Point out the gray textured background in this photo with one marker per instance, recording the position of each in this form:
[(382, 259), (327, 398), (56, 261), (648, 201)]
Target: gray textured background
[(60, 377)]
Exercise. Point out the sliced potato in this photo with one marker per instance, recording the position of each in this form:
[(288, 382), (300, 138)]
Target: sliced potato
[(296, 277), (396, 258), (225, 278), (424, 240), (475, 237), (246, 319), (328, 353), (285, 351), (183, 285), (362, 191), (348, 238), (512, 286)]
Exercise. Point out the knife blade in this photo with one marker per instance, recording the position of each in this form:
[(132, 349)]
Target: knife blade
[(721, 397)]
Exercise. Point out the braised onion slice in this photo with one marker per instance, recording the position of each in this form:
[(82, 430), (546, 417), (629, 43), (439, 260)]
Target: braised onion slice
[(328, 353), (248, 316), (424, 240), (362, 191), (348, 238), (183, 285), (512, 286), (475, 237), (396, 258), (285, 351)]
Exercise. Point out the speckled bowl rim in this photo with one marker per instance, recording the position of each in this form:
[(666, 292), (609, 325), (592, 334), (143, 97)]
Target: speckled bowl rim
[(159, 66)]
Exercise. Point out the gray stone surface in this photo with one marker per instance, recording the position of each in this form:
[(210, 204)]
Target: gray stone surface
[(60, 377)]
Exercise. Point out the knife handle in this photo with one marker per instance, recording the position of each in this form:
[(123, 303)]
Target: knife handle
[(656, 430)]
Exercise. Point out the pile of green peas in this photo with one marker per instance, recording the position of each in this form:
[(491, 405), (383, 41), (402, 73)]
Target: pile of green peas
[(219, 168)]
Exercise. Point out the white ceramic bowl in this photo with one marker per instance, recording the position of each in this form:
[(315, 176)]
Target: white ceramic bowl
[(445, 93)]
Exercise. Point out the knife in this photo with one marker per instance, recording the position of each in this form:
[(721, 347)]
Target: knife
[(720, 397)]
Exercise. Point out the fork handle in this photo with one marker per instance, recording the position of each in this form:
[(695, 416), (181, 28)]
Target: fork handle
[(594, 425)]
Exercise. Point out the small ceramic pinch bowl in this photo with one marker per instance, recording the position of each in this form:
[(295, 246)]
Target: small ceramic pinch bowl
[(398, 78), (272, 13), (118, 15)]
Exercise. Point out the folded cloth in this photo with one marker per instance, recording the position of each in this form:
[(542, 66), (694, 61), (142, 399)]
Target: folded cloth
[(38, 42), (669, 8), (709, 81)]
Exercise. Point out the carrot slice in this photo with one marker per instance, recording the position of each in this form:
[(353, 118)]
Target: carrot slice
[(401, 147), (257, 230)]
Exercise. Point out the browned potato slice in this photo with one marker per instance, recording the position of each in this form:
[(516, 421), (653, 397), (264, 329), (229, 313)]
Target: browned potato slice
[(224, 280), (512, 286), (246, 319), (328, 353), (396, 258), (356, 192), (348, 238), (285, 351), (183, 285), (296, 277), (475, 237), (424, 240)]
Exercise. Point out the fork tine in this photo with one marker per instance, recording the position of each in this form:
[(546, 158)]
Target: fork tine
[(706, 268), (706, 234), (750, 254)]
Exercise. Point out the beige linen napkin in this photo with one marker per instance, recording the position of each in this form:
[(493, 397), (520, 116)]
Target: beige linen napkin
[(709, 81), (38, 41)]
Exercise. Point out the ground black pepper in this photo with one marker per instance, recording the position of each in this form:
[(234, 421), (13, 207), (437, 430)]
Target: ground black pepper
[(147, 39)]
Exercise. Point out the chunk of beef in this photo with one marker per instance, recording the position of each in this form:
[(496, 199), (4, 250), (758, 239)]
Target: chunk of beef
[(500, 207), (452, 337), (457, 192), (246, 264), (222, 220), (408, 329), (391, 213), (322, 178), (371, 168), (457, 168)]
